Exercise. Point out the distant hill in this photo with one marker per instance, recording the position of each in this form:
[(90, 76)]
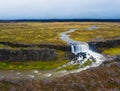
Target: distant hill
[(62, 20)]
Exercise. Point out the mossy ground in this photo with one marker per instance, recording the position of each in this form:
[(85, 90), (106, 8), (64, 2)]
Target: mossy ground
[(41, 33), (104, 32), (71, 67), (103, 78), (40, 65), (77, 66), (112, 51), (49, 33), (87, 63), (32, 65)]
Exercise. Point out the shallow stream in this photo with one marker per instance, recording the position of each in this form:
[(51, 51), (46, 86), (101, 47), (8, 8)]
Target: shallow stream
[(76, 47)]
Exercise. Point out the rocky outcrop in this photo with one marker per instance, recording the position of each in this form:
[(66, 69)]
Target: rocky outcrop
[(110, 58), (105, 44), (93, 45), (44, 54), (51, 46), (47, 52)]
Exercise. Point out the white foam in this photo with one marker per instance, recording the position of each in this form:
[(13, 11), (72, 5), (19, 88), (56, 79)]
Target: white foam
[(78, 47), (35, 71)]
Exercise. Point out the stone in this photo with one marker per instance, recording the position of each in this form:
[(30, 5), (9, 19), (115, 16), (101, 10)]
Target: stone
[(20, 55)]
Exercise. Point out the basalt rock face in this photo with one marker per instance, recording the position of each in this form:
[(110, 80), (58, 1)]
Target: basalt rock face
[(93, 45), (31, 52), (104, 44), (44, 54), (51, 46)]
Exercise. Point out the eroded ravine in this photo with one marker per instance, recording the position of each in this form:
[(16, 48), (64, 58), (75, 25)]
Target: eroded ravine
[(76, 47)]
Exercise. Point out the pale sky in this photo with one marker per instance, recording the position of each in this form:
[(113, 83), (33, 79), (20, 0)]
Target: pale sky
[(59, 9)]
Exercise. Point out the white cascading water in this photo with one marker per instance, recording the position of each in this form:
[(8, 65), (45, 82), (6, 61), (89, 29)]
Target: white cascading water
[(78, 47)]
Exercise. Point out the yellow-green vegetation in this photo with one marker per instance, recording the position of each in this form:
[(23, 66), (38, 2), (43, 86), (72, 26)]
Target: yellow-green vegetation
[(49, 33), (41, 65), (71, 67), (35, 33), (99, 79), (105, 31), (32, 65), (41, 33), (88, 62), (112, 51), (1, 46)]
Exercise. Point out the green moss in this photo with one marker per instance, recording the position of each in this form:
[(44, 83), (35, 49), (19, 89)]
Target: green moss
[(88, 62), (32, 65), (112, 51), (1, 45), (72, 67), (41, 65)]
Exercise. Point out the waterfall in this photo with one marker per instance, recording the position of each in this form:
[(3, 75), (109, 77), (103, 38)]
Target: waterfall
[(77, 48), (81, 50)]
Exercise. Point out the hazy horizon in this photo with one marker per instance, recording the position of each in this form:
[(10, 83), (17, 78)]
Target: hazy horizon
[(59, 9)]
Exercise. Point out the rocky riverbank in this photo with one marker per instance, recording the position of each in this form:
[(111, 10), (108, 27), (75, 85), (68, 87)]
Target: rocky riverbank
[(106, 77), (45, 52), (99, 45)]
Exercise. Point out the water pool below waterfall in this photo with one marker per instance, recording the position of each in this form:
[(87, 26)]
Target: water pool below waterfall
[(82, 50)]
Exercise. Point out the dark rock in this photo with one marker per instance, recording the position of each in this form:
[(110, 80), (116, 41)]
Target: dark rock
[(43, 54), (110, 58), (118, 57), (104, 44), (51, 46), (13, 89)]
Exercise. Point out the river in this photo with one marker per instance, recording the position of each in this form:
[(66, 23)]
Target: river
[(76, 47)]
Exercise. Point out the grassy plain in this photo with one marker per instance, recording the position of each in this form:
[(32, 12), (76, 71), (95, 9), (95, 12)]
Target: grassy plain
[(105, 31), (41, 33), (49, 33)]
